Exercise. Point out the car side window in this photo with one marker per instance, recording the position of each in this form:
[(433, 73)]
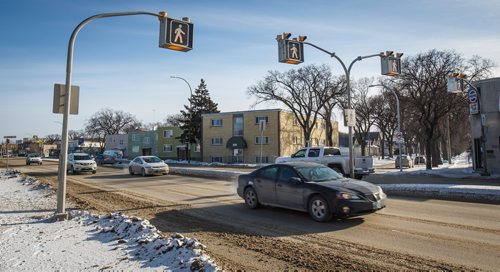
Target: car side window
[(313, 152), (137, 160), (286, 173), (299, 154), (269, 172)]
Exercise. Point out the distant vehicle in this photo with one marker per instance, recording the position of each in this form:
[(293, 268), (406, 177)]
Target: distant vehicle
[(406, 161), (419, 160), (148, 165), (81, 162), (111, 156), (33, 158), (331, 157), (310, 187)]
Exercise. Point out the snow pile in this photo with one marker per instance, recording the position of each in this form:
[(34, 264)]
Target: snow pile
[(30, 240), (446, 191)]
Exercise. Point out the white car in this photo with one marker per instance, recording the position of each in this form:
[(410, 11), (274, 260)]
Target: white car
[(33, 158), (147, 165), (81, 162)]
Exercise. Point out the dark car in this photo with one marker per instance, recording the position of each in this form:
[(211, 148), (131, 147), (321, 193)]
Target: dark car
[(309, 187)]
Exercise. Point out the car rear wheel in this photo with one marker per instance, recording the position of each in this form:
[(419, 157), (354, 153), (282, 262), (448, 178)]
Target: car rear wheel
[(319, 209), (251, 199)]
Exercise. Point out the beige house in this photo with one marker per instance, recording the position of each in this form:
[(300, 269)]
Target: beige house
[(235, 137)]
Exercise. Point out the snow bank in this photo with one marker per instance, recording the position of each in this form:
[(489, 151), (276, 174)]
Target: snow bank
[(30, 240)]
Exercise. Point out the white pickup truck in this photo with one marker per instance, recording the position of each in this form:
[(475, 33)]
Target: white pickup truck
[(331, 157)]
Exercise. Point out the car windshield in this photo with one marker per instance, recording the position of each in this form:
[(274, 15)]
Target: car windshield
[(151, 159), (318, 173), (82, 157)]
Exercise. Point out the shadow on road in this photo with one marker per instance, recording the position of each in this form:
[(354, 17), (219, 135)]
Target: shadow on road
[(238, 220)]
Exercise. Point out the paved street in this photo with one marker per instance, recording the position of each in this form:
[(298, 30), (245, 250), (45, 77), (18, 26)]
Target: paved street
[(434, 234)]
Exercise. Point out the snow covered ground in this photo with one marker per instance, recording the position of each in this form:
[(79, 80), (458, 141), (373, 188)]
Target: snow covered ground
[(31, 241)]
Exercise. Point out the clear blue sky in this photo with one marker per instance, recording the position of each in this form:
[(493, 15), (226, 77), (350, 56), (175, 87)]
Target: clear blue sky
[(119, 65)]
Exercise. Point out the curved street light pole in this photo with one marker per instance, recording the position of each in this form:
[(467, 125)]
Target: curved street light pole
[(347, 72), (399, 122), (188, 144), (61, 188)]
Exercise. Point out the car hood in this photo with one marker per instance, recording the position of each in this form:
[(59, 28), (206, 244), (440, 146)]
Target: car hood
[(156, 164), (84, 161), (350, 184)]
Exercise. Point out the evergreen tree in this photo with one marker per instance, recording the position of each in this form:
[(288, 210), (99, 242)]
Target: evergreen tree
[(199, 103)]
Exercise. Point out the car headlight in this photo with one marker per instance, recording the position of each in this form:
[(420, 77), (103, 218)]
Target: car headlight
[(344, 195)]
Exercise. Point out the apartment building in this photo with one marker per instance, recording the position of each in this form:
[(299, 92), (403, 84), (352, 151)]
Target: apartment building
[(248, 136), (117, 141), (142, 143), (170, 147)]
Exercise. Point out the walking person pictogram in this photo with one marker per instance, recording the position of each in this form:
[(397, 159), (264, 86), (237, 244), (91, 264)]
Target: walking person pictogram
[(394, 66), (178, 34), (294, 52)]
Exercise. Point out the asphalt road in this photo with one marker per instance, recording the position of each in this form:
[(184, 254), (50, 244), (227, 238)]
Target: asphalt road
[(465, 235)]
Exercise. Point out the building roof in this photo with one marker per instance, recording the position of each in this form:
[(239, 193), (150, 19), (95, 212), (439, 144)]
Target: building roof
[(240, 112)]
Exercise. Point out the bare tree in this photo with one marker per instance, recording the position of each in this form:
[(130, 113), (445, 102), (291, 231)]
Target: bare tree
[(337, 90), (52, 138), (304, 91), (423, 85), (385, 118), (365, 110), (109, 122)]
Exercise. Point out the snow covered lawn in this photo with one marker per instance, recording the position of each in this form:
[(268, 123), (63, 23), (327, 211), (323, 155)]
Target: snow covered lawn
[(31, 241)]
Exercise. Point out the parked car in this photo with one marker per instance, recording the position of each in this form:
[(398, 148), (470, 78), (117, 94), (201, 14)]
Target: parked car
[(406, 161), (148, 165), (111, 156), (331, 157), (81, 162), (419, 160), (33, 158), (309, 187)]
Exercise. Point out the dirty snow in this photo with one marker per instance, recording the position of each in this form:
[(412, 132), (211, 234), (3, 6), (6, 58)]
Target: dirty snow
[(31, 241)]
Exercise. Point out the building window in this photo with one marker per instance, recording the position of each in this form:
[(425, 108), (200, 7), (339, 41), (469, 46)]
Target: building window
[(197, 148), (146, 140), (168, 133), (216, 122), (258, 118), (295, 121), (265, 140), (114, 140), (135, 137), (217, 141), (121, 141), (238, 125), (264, 159), (167, 148), (217, 159)]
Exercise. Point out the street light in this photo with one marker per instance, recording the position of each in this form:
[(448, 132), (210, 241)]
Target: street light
[(391, 66), (190, 112), (399, 123), (61, 188)]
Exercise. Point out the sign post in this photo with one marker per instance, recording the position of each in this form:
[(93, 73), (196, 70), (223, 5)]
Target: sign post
[(7, 141)]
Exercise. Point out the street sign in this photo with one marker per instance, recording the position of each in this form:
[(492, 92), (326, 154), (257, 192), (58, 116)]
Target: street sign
[(350, 117), (399, 138), (391, 66), (473, 101), (290, 51), (59, 99), (176, 34)]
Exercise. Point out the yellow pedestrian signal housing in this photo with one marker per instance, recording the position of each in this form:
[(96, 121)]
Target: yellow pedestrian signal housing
[(290, 51), (176, 34)]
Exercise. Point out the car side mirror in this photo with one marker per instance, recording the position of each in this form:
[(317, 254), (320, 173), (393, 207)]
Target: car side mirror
[(295, 180)]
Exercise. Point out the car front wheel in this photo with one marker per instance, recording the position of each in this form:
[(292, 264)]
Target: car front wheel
[(251, 199), (319, 209)]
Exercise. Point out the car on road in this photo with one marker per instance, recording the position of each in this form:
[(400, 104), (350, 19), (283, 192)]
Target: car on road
[(148, 165), (406, 161), (33, 158), (81, 162), (309, 187)]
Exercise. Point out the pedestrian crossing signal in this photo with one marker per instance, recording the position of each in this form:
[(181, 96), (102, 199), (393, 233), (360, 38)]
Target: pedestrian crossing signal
[(176, 34), (290, 51)]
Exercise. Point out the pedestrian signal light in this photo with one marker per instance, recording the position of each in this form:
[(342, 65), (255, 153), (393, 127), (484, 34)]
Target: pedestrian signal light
[(176, 34)]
